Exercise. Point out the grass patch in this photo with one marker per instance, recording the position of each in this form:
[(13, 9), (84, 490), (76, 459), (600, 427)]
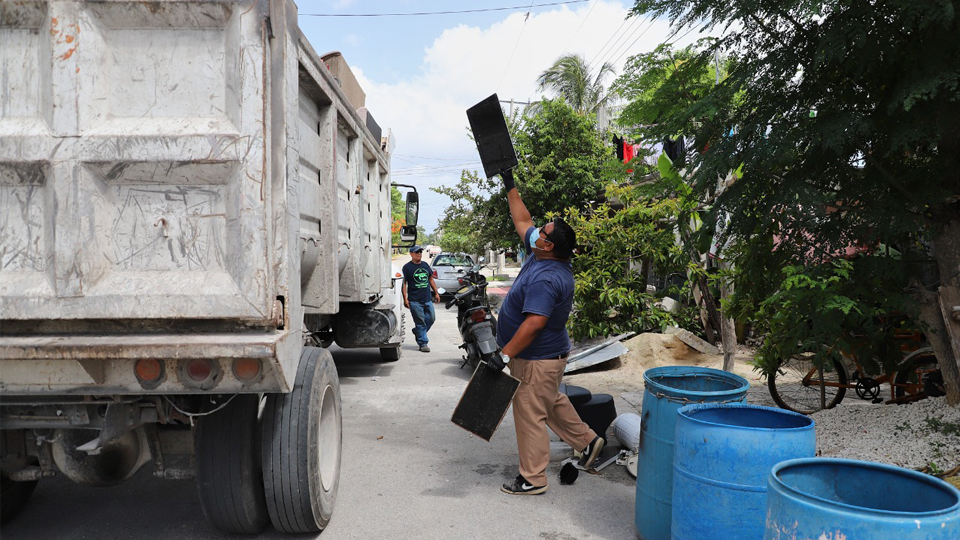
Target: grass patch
[(939, 426)]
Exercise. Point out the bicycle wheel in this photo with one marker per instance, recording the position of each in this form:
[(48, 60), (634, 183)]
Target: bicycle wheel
[(795, 385), (911, 372)]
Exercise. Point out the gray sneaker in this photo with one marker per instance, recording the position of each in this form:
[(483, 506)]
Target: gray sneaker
[(424, 348)]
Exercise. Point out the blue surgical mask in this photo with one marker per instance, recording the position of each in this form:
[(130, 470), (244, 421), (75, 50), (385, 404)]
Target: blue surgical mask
[(534, 235)]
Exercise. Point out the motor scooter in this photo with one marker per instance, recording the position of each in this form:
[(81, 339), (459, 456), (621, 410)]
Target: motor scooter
[(475, 319)]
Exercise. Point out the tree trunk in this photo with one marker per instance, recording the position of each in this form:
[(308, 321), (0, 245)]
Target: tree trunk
[(728, 331), (946, 251), (701, 301), (950, 307)]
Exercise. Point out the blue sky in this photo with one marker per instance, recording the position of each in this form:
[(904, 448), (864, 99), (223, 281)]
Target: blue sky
[(421, 73)]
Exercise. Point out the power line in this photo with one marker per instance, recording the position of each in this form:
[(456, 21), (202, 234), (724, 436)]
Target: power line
[(617, 31), (627, 49), (623, 39), (692, 28), (421, 165), (425, 157), (418, 13), (627, 34), (514, 51), (595, 2)]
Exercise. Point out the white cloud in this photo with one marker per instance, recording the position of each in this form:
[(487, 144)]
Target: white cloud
[(466, 64), (354, 40)]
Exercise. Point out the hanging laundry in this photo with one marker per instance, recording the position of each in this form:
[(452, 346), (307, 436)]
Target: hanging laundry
[(628, 154), (674, 148), (618, 146)]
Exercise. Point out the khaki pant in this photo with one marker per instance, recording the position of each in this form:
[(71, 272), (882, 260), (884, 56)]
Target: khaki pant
[(538, 404)]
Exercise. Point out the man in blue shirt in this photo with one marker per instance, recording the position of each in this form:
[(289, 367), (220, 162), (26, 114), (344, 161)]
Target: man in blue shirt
[(532, 332), (417, 284)]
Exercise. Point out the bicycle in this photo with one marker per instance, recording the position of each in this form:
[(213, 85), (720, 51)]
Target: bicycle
[(806, 388)]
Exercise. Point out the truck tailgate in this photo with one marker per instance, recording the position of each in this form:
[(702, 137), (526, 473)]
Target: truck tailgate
[(133, 170)]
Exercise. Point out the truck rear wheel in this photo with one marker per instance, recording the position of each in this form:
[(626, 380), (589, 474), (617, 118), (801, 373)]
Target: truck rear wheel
[(229, 477), (302, 438)]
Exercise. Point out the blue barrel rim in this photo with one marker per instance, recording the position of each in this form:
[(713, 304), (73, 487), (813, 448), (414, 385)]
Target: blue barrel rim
[(693, 371), (916, 475), (693, 407)]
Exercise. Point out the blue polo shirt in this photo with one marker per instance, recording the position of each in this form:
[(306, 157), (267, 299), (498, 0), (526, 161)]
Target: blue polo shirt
[(543, 287)]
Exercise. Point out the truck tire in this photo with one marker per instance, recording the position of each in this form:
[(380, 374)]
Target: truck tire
[(302, 439), (229, 476), (389, 354), (13, 497)]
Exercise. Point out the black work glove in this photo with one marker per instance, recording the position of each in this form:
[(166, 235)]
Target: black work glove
[(496, 362), (507, 177)]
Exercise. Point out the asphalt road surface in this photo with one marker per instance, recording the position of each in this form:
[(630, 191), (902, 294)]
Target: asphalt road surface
[(407, 472)]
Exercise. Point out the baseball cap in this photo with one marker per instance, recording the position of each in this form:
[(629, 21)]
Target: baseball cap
[(416, 248)]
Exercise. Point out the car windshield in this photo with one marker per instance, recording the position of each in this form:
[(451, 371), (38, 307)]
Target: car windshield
[(453, 260)]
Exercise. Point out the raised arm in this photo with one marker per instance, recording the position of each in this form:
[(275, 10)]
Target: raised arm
[(518, 211)]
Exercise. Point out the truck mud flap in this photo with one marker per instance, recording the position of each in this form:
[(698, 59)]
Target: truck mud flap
[(364, 327)]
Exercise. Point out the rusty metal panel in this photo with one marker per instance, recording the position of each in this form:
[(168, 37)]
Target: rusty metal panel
[(132, 161)]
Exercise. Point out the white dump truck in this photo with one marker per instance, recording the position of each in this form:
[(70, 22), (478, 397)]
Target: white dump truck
[(191, 210)]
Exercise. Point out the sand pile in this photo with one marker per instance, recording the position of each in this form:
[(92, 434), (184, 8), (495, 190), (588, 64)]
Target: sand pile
[(645, 351)]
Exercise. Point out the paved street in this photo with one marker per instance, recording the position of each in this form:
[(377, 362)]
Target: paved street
[(407, 472)]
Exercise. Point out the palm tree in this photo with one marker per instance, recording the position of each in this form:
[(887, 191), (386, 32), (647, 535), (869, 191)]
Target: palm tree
[(569, 78)]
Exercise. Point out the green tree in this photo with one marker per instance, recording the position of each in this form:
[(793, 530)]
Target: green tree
[(610, 294), (844, 117), (475, 218), (663, 86), (398, 214), (570, 79)]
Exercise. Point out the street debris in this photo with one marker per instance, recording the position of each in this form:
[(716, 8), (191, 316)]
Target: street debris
[(607, 350), (693, 341)]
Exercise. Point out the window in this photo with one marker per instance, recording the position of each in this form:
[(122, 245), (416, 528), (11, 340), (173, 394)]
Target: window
[(453, 260)]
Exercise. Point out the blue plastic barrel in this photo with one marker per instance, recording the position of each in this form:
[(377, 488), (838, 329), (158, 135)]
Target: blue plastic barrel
[(722, 458), (858, 500), (666, 389)]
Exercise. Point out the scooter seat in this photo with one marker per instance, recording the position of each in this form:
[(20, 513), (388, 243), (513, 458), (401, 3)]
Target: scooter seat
[(598, 413), (577, 395)]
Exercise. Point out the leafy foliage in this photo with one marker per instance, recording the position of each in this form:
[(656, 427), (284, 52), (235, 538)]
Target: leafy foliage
[(476, 217), (610, 295), (662, 86), (844, 307), (844, 117), (570, 79), (398, 215), (563, 160)]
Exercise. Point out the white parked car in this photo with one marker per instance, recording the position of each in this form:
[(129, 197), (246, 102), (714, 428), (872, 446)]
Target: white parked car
[(448, 267)]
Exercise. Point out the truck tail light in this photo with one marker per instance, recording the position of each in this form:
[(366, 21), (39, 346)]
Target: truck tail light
[(198, 369), (435, 276), (247, 369), (148, 370)]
